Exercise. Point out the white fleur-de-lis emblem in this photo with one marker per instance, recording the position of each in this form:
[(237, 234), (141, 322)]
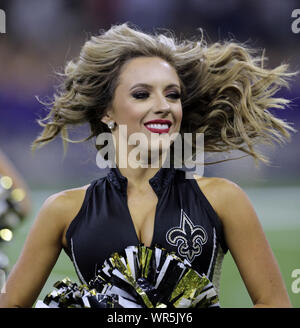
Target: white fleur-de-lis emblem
[(188, 237)]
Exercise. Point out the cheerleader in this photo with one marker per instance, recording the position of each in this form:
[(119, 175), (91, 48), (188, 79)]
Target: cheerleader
[(156, 85)]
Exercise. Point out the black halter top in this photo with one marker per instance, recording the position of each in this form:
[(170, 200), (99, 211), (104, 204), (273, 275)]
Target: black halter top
[(185, 223)]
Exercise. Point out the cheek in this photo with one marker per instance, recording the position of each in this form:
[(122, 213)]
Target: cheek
[(131, 116), (179, 113), (126, 113)]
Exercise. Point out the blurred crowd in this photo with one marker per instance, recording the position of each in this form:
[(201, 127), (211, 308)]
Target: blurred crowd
[(42, 35)]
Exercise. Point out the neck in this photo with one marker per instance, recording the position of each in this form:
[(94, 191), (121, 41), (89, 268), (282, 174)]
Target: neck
[(138, 175)]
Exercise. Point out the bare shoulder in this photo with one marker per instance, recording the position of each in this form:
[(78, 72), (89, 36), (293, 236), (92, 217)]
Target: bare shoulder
[(222, 193), (62, 207), (220, 187), (66, 201)]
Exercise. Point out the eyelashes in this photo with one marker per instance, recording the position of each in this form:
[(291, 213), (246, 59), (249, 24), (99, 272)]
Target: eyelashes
[(174, 95), (144, 95), (140, 95)]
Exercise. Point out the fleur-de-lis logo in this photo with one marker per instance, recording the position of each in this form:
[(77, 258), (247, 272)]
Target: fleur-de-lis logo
[(188, 237)]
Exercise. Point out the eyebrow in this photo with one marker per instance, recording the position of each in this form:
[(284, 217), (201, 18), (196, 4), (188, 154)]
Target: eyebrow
[(148, 86)]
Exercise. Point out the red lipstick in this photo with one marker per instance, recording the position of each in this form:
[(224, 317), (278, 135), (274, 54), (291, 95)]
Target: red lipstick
[(158, 126)]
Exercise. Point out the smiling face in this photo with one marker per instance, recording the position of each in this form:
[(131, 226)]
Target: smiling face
[(146, 99)]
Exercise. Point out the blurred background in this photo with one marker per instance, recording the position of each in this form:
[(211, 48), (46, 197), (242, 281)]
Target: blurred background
[(41, 36)]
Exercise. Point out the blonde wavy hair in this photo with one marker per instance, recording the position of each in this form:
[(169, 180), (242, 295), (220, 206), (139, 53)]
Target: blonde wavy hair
[(227, 91)]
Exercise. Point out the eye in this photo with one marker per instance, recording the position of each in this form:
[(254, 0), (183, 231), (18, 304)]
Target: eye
[(140, 95), (174, 95)]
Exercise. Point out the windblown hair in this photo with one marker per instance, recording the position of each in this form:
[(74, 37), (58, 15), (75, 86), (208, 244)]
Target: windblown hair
[(228, 94)]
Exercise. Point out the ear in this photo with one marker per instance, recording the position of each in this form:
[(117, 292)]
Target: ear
[(107, 116), (105, 119)]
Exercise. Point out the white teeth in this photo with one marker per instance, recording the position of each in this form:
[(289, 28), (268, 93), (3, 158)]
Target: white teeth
[(158, 126)]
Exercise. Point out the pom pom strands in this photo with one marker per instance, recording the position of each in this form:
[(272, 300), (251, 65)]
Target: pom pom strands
[(70, 295), (139, 277)]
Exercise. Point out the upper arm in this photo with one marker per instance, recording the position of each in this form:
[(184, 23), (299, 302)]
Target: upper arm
[(39, 254), (248, 245)]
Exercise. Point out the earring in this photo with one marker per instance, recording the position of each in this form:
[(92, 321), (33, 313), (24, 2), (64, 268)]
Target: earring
[(111, 125)]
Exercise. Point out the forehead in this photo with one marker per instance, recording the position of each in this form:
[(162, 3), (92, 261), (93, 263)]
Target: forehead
[(148, 70)]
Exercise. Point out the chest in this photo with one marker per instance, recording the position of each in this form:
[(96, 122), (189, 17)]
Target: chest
[(177, 220), (142, 208)]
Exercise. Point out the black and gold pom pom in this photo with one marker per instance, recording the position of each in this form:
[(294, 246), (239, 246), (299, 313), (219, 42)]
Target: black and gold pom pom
[(139, 277)]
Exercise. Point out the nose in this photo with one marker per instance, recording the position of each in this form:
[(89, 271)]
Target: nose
[(162, 104)]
